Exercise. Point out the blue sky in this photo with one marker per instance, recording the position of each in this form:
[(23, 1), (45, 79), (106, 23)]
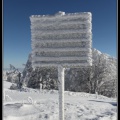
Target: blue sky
[(16, 25)]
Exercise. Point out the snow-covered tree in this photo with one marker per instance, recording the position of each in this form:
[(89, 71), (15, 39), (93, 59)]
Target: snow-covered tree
[(102, 74), (101, 77)]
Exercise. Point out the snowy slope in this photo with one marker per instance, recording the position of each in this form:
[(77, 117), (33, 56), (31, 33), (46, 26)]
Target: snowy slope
[(43, 105)]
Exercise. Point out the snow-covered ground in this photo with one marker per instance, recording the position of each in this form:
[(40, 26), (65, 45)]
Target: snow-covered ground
[(32, 104)]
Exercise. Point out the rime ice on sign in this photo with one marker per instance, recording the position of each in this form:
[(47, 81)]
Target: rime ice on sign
[(61, 39)]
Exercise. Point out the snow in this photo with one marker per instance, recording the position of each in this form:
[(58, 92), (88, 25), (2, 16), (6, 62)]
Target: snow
[(32, 104), (60, 13)]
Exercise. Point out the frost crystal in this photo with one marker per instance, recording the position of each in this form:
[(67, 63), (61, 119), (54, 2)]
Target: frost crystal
[(61, 39)]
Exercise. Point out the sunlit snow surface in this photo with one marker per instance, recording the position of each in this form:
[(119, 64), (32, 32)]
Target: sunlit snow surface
[(31, 104)]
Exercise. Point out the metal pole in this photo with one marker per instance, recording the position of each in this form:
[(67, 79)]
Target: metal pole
[(61, 91)]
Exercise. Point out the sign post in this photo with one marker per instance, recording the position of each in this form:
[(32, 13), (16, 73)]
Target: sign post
[(61, 41), (61, 91)]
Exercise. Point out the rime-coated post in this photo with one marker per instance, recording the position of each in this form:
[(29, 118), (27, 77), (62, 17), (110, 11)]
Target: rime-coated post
[(64, 40), (40, 87), (61, 91)]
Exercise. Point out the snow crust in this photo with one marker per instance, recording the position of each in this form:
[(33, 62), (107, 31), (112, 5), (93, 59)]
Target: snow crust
[(33, 104)]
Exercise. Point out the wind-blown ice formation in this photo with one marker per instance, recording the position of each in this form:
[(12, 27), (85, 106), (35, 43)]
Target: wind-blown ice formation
[(64, 39)]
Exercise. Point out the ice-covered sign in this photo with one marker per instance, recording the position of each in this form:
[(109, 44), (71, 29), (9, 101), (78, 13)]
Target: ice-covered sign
[(61, 39)]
